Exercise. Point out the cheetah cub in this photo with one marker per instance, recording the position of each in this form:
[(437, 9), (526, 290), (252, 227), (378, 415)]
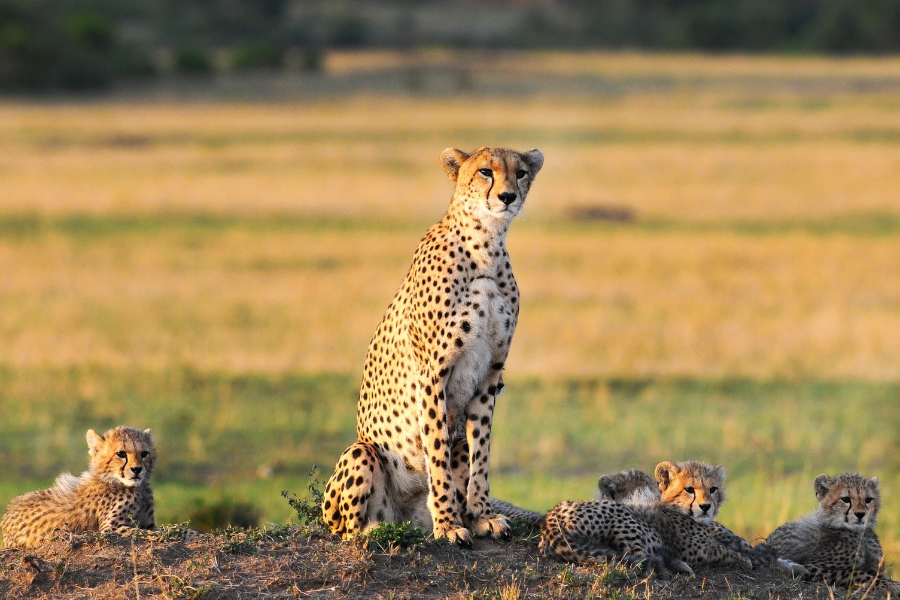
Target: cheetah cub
[(433, 368), (836, 542), (698, 490), (630, 521), (113, 495)]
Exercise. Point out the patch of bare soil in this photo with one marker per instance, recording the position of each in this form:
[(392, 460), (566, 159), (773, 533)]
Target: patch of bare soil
[(301, 562)]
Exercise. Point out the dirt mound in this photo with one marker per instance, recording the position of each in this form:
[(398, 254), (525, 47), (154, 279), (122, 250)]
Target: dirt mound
[(300, 562)]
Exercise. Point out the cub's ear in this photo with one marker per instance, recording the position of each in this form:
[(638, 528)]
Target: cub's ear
[(874, 483), (822, 484), (534, 158), (719, 471), (94, 440), (665, 473), (149, 434), (607, 489), (452, 159)]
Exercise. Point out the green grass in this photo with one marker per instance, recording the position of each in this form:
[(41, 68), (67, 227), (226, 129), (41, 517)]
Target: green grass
[(101, 229), (246, 438)]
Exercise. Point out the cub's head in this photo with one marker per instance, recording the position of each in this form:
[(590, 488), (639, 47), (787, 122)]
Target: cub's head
[(628, 487), (492, 182), (123, 455), (691, 487), (848, 500)]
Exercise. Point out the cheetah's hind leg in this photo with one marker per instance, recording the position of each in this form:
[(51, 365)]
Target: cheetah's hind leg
[(356, 498)]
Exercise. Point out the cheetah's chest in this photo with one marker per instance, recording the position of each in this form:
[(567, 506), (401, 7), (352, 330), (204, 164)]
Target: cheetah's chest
[(492, 320)]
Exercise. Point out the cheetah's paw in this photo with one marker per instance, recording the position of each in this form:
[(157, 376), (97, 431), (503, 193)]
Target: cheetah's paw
[(496, 526), (456, 535)]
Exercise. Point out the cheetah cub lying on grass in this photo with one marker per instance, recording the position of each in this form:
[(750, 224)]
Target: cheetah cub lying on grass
[(698, 490), (114, 495), (836, 542), (633, 523)]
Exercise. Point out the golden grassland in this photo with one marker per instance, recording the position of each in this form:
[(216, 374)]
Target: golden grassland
[(233, 240)]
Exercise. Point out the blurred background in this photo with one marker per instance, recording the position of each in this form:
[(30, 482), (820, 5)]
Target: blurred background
[(205, 208)]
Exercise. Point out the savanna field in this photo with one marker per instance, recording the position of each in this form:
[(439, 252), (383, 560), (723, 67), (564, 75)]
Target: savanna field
[(709, 265)]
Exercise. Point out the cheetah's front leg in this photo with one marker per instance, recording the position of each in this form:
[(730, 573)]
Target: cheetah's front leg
[(445, 512), (479, 418)]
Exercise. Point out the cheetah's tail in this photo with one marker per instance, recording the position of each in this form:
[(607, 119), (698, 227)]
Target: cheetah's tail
[(530, 517)]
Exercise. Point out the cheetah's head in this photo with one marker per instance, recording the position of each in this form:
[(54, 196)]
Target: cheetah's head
[(492, 182), (123, 455), (692, 487), (848, 500), (628, 487)]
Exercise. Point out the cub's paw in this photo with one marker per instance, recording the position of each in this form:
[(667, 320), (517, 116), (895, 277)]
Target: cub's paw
[(496, 526), (743, 563), (455, 534), (791, 568)]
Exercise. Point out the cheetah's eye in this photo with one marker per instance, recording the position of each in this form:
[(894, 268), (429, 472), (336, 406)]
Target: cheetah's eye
[(144, 454), (486, 172), (845, 499), (121, 454), (689, 489), (869, 500), (713, 490), (520, 174)]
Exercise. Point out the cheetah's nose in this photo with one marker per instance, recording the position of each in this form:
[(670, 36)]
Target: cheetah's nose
[(705, 507), (860, 515), (507, 197), (137, 470)]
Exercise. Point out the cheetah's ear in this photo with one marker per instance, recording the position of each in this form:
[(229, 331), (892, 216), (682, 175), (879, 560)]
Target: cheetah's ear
[(719, 471), (149, 434), (452, 159), (607, 489), (665, 473), (822, 484), (874, 483), (94, 440), (534, 158)]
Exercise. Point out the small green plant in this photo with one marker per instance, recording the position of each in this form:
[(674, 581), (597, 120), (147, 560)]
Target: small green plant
[(242, 541), (521, 529), (394, 535), (309, 510)]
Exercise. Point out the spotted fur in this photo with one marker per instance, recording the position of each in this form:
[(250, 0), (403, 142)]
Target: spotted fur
[(631, 522), (836, 542), (114, 495), (433, 368)]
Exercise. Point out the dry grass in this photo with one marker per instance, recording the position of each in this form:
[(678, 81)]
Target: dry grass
[(627, 302)]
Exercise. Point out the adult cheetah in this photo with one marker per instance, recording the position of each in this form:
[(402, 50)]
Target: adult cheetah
[(433, 368), (113, 495)]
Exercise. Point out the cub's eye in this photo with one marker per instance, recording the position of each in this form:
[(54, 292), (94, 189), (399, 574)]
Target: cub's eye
[(845, 499), (689, 489), (486, 172), (144, 454), (520, 174), (713, 490), (869, 500), (121, 454)]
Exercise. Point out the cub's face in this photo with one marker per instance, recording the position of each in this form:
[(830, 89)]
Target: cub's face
[(122, 455), (492, 182), (694, 488), (848, 500), (628, 487)]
